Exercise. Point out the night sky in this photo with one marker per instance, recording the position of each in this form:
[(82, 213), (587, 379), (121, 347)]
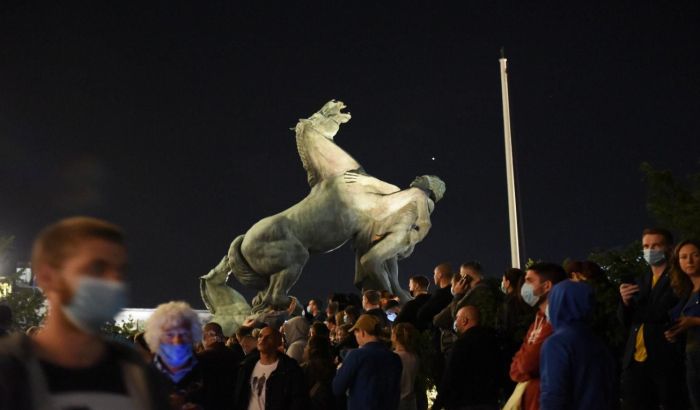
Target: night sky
[(173, 120)]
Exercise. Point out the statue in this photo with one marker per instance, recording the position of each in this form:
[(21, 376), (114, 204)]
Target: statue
[(345, 203)]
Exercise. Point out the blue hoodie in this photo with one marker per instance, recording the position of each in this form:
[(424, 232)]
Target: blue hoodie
[(576, 369)]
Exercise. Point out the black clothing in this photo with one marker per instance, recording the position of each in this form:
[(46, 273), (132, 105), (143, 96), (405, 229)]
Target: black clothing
[(219, 369), (438, 301), (104, 376), (319, 378), (470, 377), (409, 312), (654, 381), (24, 385), (284, 389), (379, 314)]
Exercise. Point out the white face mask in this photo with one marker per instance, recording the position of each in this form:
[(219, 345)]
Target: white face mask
[(95, 302), (527, 291)]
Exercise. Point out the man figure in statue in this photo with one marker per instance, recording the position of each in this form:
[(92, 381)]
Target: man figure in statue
[(384, 222)]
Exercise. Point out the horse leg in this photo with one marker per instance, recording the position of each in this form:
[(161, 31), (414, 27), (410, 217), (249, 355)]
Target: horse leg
[(373, 265), (295, 257), (392, 268)]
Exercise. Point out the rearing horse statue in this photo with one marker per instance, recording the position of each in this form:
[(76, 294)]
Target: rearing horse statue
[(345, 203)]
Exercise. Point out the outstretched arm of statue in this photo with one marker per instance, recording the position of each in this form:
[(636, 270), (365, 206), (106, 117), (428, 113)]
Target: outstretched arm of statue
[(376, 185)]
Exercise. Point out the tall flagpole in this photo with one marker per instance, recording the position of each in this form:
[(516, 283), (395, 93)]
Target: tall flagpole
[(510, 175)]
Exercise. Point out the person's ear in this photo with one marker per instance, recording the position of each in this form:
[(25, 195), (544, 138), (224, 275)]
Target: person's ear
[(46, 277), (548, 286)]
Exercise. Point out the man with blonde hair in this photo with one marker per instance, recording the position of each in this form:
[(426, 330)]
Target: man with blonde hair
[(79, 264)]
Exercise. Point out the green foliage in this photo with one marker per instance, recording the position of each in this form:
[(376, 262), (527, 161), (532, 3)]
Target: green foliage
[(619, 262), (124, 331), (674, 203), (28, 304)]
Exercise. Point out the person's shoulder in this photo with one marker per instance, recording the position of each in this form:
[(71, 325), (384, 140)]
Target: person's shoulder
[(123, 352), (15, 344)]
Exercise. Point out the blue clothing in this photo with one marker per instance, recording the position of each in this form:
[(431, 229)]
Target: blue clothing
[(576, 369), (372, 377), (691, 307)]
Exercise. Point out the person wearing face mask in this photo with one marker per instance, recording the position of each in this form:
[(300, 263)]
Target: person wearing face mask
[(470, 380), (170, 333), (652, 367), (525, 366), (576, 367), (512, 321), (79, 264)]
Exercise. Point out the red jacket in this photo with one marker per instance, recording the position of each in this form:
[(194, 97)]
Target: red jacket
[(526, 362)]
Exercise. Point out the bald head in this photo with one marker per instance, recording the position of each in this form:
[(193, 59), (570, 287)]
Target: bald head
[(466, 318)]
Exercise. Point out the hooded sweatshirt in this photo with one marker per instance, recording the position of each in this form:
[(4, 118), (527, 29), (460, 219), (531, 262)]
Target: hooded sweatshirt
[(576, 369), (296, 333)]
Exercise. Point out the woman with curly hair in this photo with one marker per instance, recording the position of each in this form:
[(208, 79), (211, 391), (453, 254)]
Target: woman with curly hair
[(171, 333), (685, 280)]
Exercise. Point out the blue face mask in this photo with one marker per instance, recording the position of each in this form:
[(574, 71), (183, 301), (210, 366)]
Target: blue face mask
[(503, 288), (546, 313), (654, 257), (528, 294), (454, 327), (95, 302), (175, 355)]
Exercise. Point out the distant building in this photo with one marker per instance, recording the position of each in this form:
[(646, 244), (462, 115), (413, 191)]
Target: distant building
[(140, 316)]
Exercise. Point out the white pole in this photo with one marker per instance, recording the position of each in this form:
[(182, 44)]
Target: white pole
[(510, 175)]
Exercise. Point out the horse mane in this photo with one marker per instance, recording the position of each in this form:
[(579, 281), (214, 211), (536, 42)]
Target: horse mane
[(311, 176)]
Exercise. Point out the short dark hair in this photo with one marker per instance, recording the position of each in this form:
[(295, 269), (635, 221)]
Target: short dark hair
[(445, 269), (515, 277), (668, 236), (318, 303), (373, 296), (474, 265), (421, 281), (244, 331), (214, 327), (549, 272), (55, 242)]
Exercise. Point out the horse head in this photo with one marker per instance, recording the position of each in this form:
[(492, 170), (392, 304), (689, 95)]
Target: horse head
[(328, 119)]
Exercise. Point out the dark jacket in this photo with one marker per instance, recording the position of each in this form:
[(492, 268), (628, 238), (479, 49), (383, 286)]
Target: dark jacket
[(650, 307), (380, 315), (284, 389), (576, 368), (409, 312), (471, 373), (372, 377), (438, 301), (22, 386), (219, 369)]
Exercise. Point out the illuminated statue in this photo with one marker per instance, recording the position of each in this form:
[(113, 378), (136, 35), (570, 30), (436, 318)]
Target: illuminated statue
[(383, 222), (228, 307)]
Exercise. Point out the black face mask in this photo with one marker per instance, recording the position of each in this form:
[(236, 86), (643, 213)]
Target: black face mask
[(411, 292)]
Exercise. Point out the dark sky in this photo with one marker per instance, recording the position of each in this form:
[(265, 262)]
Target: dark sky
[(172, 119)]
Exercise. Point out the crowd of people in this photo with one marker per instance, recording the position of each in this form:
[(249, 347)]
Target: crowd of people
[(546, 337)]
